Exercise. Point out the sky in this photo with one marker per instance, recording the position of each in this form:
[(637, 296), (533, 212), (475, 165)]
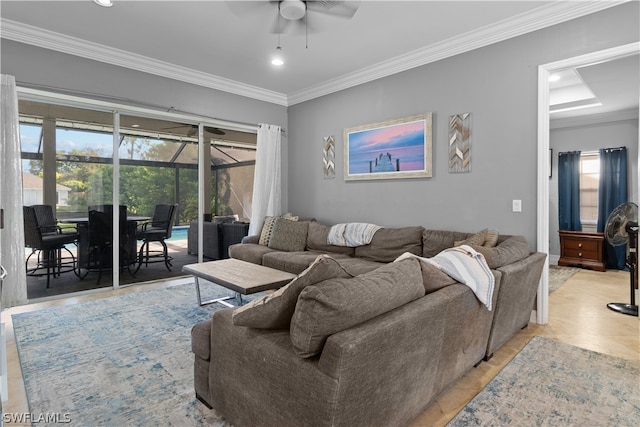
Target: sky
[(66, 140)]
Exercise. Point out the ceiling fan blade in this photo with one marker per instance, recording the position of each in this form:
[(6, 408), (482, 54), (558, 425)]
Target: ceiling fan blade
[(338, 8)]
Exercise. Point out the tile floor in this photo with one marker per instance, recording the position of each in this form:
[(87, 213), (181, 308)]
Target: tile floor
[(578, 316)]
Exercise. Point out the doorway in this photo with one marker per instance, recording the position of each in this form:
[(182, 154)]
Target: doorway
[(544, 156)]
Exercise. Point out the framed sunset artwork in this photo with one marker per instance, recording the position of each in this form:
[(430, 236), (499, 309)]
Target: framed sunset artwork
[(392, 149)]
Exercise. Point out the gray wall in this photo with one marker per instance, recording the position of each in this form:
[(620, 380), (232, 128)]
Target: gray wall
[(497, 84), (590, 137), (30, 64)]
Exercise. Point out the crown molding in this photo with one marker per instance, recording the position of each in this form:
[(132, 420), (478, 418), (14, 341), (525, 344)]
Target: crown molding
[(554, 13), (536, 19), (593, 119), (35, 36)]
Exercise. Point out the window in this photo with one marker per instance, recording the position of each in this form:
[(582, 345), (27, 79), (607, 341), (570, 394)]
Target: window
[(589, 178), (158, 162)]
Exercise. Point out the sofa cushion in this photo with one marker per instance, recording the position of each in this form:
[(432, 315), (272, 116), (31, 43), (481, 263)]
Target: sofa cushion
[(389, 243), (274, 311), (289, 235), (476, 239), (317, 240), (356, 266), (508, 251), (435, 241), (294, 262), (338, 304), (491, 239), (250, 252), (433, 278)]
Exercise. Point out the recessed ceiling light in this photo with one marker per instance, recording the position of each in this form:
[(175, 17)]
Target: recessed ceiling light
[(103, 3)]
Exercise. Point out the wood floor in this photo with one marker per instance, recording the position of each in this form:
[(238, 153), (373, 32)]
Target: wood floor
[(578, 316)]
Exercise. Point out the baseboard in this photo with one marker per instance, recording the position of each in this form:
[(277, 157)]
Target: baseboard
[(553, 259)]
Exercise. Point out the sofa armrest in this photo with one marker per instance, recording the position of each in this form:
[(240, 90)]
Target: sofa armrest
[(251, 239), (255, 378), (518, 288)]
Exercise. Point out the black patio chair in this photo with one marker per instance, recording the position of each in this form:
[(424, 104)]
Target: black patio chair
[(49, 243), (100, 236), (157, 230), (48, 222)]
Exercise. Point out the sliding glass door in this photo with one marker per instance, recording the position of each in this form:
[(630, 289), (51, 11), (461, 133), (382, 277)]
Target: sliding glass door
[(79, 157)]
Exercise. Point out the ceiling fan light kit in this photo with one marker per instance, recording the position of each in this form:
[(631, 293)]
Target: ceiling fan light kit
[(292, 9)]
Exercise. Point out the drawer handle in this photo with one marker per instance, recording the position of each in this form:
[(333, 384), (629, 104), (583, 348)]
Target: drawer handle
[(580, 254), (579, 245)]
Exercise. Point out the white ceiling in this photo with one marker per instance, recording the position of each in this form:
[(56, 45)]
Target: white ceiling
[(614, 85), (229, 46)]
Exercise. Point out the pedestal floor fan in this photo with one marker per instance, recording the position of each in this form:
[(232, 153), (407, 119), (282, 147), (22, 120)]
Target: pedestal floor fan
[(622, 228)]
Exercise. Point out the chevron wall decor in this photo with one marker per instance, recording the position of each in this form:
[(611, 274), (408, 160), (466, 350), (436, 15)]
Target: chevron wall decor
[(329, 157), (460, 143)]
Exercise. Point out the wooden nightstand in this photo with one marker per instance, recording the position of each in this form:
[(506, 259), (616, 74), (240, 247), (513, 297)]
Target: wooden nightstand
[(582, 249)]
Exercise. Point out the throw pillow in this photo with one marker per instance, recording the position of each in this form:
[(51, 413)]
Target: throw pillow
[(289, 236), (492, 239), (274, 311), (433, 278), (476, 239), (511, 250), (338, 304), (267, 227)]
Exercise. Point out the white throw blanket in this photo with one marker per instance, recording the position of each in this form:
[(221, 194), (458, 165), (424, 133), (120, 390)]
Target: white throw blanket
[(466, 266), (352, 234)]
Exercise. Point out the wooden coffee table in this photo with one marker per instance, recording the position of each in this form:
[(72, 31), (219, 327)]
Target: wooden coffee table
[(242, 277)]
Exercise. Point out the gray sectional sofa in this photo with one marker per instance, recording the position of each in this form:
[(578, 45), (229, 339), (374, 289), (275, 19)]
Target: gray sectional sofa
[(368, 341)]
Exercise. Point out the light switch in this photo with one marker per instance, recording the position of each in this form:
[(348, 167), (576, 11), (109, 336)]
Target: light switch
[(517, 206)]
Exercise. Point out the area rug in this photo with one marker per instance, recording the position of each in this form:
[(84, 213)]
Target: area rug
[(118, 361), (558, 275), (555, 384)]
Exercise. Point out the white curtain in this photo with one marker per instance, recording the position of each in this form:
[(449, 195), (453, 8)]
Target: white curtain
[(267, 181), (14, 287)]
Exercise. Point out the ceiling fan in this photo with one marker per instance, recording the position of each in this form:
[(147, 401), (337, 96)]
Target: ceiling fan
[(193, 130), (292, 15), (622, 228)]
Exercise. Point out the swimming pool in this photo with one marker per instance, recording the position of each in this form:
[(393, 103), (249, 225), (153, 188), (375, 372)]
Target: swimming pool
[(179, 233)]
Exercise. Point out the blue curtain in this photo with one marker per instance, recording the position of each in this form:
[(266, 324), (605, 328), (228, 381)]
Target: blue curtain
[(612, 192), (569, 191)]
